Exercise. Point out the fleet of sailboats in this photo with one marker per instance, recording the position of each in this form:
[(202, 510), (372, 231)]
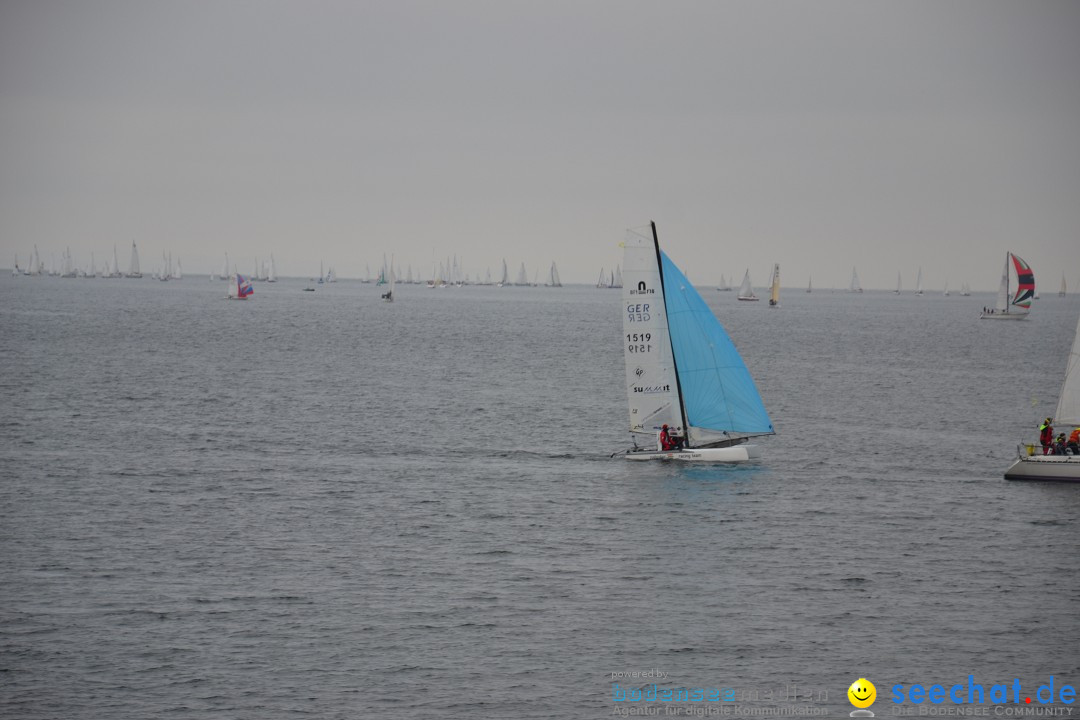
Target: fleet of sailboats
[(684, 376)]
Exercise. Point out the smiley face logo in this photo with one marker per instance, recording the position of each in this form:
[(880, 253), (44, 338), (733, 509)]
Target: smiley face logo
[(862, 693)]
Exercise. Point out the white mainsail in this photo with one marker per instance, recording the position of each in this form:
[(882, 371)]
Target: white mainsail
[(523, 277), (1002, 303), (918, 283), (651, 384), (897, 282), (1068, 407), (856, 287), (554, 280), (774, 287), (133, 267), (1061, 292)]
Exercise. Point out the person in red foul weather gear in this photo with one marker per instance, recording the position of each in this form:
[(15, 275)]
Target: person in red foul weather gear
[(1046, 435), (665, 439)]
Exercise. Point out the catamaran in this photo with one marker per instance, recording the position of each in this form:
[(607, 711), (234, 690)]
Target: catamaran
[(1013, 304), (1029, 464), (774, 287), (682, 370), (746, 291)]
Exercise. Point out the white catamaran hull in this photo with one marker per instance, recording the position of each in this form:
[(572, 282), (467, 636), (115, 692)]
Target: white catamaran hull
[(1062, 468), (736, 454)]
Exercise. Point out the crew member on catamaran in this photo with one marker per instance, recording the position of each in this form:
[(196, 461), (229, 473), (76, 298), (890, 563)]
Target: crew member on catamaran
[(665, 439)]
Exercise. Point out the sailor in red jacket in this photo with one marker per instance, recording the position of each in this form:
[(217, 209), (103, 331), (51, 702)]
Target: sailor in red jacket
[(665, 439)]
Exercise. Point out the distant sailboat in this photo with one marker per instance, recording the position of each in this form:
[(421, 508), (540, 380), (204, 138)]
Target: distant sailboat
[(388, 296), (523, 277), (855, 287), (133, 267), (723, 286), (774, 287), (810, 285), (271, 276), (965, 289), (240, 288), (918, 283), (553, 279), (946, 288), (1061, 292), (1014, 298), (897, 292), (746, 291)]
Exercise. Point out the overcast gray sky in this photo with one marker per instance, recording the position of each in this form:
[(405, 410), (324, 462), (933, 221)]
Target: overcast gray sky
[(821, 135)]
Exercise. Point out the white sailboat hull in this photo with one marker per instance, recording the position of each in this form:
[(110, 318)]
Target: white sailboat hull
[(1002, 316), (735, 454), (1060, 468)]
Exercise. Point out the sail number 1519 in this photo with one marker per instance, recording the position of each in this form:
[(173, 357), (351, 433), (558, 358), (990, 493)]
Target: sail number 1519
[(639, 342)]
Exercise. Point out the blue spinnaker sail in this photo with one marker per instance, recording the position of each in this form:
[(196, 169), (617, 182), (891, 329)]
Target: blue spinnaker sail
[(717, 391)]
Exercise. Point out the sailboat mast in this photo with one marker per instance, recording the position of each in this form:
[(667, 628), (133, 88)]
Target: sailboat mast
[(674, 363), (1008, 296)]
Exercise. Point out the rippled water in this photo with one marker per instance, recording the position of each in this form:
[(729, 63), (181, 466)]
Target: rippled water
[(321, 504)]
